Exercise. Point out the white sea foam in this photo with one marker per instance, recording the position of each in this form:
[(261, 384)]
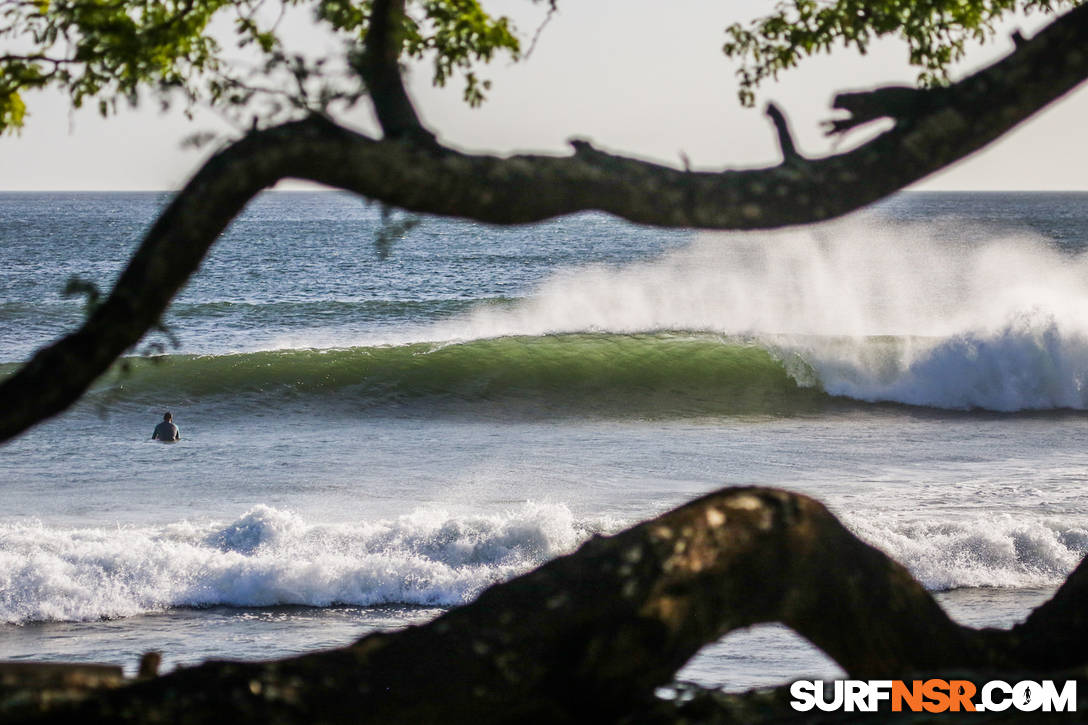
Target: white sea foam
[(997, 551), (1034, 362), (271, 557), (877, 312)]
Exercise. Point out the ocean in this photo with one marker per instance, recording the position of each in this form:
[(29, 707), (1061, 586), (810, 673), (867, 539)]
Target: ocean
[(374, 430)]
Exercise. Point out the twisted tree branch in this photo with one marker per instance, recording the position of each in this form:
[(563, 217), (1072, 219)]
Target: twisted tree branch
[(406, 170)]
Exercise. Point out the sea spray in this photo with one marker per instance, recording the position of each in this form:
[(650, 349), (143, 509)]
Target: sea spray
[(876, 312), (857, 278)]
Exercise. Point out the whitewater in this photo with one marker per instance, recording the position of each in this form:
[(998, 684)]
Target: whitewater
[(428, 558), (368, 441)]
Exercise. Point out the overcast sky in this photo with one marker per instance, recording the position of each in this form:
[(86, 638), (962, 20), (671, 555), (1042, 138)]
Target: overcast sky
[(633, 78)]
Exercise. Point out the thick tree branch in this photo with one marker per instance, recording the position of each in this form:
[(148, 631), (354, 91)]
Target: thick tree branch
[(588, 637), (940, 127), (379, 65), (1056, 634), (898, 102)]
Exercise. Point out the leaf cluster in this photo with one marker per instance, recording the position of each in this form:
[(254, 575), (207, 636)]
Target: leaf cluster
[(102, 49), (222, 54)]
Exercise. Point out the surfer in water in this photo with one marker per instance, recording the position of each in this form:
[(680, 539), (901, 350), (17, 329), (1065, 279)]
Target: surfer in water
[(166, 431)]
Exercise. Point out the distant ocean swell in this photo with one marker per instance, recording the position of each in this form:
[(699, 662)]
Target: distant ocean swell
[(1030, 364), (270, 557), (282, 312)]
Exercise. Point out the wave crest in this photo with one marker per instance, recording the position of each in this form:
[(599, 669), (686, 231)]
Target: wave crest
[(271, 557), (1033, 363), (994, 551)]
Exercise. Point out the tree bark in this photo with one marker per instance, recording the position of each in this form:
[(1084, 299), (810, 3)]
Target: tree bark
[(590, 636)]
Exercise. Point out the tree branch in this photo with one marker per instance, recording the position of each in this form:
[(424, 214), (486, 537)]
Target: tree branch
[(1056, 634), (589, 637), (942, 126), (785, 138), (898, 102), (379, 65)]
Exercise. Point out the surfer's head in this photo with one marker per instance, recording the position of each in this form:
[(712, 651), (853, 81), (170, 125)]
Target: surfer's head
[(167, 417)]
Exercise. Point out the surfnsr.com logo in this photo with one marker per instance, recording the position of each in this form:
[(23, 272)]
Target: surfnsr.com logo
[(933, 696)]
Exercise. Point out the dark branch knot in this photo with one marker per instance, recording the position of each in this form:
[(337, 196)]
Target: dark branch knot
[(582, 147), (896, 102)]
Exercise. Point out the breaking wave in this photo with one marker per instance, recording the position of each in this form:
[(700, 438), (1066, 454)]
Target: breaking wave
[(270, 557), (776, 323), (997, 551), (1032, 364)]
